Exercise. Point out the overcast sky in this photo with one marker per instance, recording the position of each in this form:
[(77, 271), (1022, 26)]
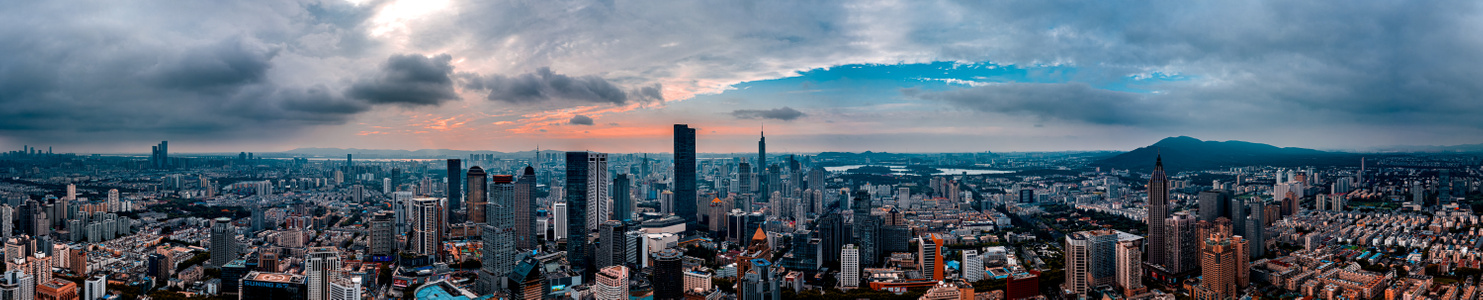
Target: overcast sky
[(613, 76)]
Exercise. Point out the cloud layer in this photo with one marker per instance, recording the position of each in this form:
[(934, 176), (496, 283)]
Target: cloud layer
[(408, 79), (784, 113), (103, 73), (580, 120)]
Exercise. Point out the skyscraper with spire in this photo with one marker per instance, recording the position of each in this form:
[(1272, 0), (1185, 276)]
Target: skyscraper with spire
[(1158, 210), (763, 191)]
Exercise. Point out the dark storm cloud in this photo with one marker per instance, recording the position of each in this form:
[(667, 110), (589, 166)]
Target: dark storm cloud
[(652, 93), (785, 113), (409, 79), (1324, 63), (112, 72), (1075, 102), (231, 62), (580, 120), (546, 86)]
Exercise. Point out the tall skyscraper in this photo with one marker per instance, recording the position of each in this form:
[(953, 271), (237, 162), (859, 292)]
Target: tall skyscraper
[(559, 224), (763, 191), (498, 235), (685, 176), (669, 275), (1130, 266), (383, 234), (1091, 259), (599, 200), (612, 244), (401, 204), (866, 230), (477, 197), (259, 217), (577, 197), (427, 226), (160, 155), (1255, 229), (1158, 211), (849, 266), (1223, 266), (1215, 204), (396, 178), (321, 267), (223, 242), (524, 208), (455, 185), (816, 178), (744, 181), (622, 198), (1183, 250), (7, 218)]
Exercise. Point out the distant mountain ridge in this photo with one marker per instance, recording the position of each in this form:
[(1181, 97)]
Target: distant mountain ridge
[(1185, 153)]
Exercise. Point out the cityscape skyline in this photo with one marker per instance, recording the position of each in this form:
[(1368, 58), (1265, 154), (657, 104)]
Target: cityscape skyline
[(741, 150)]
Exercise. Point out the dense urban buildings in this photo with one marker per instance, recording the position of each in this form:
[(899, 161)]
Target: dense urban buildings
[(554, 224)]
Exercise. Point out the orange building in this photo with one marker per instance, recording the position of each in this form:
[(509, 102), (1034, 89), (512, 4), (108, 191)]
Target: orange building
[(56, 289), (757, 249)]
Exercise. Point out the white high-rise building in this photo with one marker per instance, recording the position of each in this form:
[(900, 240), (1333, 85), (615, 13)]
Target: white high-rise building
[(612, 283), (71, 192), (113, 201), (427, 225), (849, 266), (345, 289), (599, 202), (321, 268), (7, 216), (386, 186), (17, 285), (1129, 272), (973, 266), (558, 212), (95, 287), (401, 205)]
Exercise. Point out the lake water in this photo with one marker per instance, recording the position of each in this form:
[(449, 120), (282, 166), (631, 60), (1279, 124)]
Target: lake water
[(901, 170)]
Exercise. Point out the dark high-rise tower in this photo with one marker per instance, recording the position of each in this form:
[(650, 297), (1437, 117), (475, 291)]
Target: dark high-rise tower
[(763, 191), (668, 277), (160, 155), (1158, 210), (576, 212), (478, 182), (1254, 230), (622, 198), (1215, 204), (455, 182), (396, 178), (525, 209), (685, 176)]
